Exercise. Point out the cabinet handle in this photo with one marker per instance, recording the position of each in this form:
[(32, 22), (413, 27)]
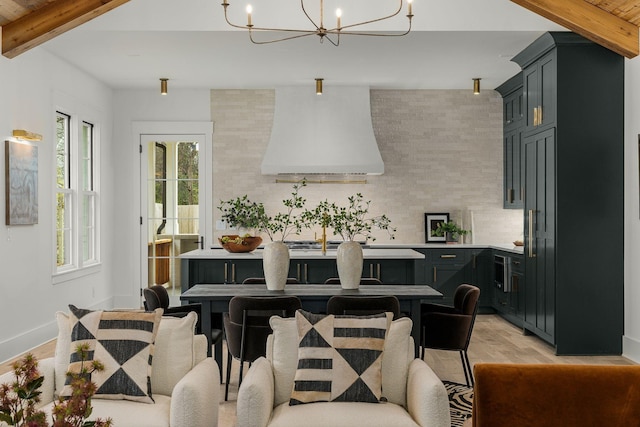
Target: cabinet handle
[(226, 273), (516, 262), (522, 193), (298, 272), (474, 261), (447, 256), (539, 114), (378, 271), (531, 254), (435, 274), (233, 273), (535, 116), (306, 273), (371, 270)]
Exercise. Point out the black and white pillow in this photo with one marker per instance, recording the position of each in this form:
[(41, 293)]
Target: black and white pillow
[(123, 342), (339, 358)]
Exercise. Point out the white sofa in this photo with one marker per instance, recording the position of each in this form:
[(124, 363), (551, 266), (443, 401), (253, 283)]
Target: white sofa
[(185, 382), (416, 396)]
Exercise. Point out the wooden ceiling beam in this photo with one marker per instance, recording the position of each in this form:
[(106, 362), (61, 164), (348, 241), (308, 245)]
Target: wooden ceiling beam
[(589, 21), (49, 21)]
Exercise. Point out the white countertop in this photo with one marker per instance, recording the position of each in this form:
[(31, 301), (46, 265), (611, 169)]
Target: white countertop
[(375, 251), (509, 247)]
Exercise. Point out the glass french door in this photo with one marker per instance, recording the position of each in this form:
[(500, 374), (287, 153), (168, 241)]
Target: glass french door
[(172, 174)]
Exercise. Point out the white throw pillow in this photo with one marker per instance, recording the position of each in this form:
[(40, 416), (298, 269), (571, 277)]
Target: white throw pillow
[(282, 351), (173, 355)]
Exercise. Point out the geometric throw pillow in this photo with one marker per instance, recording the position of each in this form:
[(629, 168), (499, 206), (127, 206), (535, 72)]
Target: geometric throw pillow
[(123, 342), (339, 358)]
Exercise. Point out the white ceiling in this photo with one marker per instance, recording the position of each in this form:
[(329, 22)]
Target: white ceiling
[(188, 42)]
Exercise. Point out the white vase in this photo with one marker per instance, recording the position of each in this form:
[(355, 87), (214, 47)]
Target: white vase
[(349, 260), (275, 262)]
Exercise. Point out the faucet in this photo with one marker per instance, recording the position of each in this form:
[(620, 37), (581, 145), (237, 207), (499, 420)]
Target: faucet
[(323, 239)]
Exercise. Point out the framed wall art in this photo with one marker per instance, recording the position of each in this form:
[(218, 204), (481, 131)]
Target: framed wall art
[(21, 183), (431, 221)]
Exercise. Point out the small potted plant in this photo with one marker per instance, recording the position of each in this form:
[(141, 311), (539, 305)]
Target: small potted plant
[(450, 230), (245, 215)]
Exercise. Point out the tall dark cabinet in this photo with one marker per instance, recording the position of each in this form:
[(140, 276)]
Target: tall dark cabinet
[(573, 142), (513, 125)]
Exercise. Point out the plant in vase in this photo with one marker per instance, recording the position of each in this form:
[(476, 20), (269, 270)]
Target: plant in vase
[(243, 214), (450, 230), (350, 222), (19, 399), (275, 258)]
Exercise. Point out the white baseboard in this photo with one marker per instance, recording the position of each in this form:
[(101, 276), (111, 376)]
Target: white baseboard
[(28, 340), (631, 348)]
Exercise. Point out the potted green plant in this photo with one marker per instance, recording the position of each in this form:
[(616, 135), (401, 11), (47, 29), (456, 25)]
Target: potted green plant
[(450, 230), (275, 258), (243, 214), (350, 222)]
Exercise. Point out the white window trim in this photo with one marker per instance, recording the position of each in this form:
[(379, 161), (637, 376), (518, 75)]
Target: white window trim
[(78, 113)]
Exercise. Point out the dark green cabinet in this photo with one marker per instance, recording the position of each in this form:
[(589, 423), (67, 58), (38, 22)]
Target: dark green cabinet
[(539, 226), (574, 185), (513, 108), (539, 92), (513, 128), (389, 271), (446, 270), (219, 271), (313, 270), (481, 268), (513, 185)]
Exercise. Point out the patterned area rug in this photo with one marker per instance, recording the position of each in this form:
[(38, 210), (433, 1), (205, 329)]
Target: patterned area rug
[(460, 399)]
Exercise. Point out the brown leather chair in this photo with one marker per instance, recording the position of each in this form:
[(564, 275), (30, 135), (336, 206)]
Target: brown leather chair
[(157, 297), (246, 327), (449, 328), (262, 281), (363, 281), (359, 306)]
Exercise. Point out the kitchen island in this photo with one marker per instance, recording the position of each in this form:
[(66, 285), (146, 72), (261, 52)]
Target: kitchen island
[(390, 265)]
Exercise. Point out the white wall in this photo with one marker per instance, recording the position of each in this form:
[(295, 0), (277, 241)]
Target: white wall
[(132, 106), (631, 342), (29, 84)]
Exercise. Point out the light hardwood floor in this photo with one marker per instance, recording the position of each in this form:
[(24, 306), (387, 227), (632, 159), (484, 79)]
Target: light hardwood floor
[(494, 340)]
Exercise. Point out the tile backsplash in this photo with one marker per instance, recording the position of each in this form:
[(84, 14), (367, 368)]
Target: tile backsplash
[(442, 151)]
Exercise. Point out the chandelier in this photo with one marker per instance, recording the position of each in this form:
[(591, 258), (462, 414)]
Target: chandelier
[(318, 26)]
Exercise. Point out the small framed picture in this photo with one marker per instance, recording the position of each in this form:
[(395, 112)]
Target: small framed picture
[(431, 222)]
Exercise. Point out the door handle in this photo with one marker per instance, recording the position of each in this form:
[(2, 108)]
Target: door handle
[(200, 242), (531, 254)]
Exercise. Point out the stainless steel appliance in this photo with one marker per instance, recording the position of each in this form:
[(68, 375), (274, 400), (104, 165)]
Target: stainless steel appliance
[(502, 265)]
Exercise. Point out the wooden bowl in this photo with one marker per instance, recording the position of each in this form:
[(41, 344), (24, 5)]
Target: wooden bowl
[(248, 243)]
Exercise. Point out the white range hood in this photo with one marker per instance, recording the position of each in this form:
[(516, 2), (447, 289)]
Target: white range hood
[(327, 134)]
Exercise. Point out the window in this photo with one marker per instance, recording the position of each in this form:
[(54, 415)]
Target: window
[(77, 194)]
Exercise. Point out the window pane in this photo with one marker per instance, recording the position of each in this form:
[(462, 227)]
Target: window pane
[(63, 229), (88, 230), (86, 154), (62, 150), (188, 190)]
